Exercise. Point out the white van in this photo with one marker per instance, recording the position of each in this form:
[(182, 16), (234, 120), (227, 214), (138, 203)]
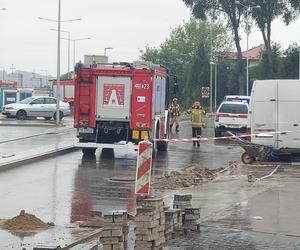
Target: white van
[(275, 107)]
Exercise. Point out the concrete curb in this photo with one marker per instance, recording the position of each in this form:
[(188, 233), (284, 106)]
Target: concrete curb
[(34, 135), (13, 124), (32, 158)]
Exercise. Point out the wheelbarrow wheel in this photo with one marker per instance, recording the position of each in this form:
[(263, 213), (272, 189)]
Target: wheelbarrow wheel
[(246, 158)]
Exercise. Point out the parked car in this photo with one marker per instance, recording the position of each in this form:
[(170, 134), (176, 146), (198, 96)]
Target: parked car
[(39, 106), (233, 117)]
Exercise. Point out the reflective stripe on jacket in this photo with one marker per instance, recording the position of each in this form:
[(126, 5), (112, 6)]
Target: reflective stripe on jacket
[(174, 109)]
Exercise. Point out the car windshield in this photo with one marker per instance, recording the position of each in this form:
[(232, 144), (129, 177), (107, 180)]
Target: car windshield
[(233, 108), (27, 100)]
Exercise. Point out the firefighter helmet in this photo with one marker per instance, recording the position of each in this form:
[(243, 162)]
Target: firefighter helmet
[(197, 104)]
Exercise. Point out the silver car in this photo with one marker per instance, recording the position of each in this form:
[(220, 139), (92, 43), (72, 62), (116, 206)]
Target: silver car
[(39, 106)]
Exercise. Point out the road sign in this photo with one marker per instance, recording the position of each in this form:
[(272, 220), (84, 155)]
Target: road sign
[(205, 92)]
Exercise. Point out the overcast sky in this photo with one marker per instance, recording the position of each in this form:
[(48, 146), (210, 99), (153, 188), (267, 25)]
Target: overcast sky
[(127, 26)]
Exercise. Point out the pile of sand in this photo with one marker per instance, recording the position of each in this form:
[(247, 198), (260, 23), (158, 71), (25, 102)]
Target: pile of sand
[(193, 175), (24, 222)]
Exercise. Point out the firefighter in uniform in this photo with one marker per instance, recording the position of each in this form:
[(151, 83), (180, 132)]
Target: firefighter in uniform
[(174, 110), (197, 113)]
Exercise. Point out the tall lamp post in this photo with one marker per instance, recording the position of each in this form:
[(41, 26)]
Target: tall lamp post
[(74, 45), (58, 21), (74, 41), (46, 76), (69, 41), (105, 49), (216, 74), (248, 9), (299, 61), (211, 69), (211, 86)]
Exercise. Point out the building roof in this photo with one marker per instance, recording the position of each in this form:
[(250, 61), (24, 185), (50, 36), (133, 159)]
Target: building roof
[(254, 53)]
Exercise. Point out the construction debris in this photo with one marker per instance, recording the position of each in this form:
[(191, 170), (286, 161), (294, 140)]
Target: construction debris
[(182, 201), (193, 175), (25, 222)]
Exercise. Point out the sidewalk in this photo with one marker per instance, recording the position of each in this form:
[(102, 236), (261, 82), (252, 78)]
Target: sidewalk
[(237, 214), (19, 150), (4, 121)]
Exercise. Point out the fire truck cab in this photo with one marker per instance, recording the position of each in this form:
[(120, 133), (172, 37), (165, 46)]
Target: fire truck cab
[(121, 104)]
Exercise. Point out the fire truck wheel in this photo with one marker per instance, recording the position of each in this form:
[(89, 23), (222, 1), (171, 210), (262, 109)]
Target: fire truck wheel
[(246, 158), (89, 151)]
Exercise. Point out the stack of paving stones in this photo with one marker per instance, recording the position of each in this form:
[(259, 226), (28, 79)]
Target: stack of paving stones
[(182, 201), (115, 231), (178, 226), (191, 220), (173, 226), (150, 224)]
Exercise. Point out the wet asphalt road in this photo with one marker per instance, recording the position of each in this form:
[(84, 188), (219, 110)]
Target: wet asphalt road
[(65, 189)]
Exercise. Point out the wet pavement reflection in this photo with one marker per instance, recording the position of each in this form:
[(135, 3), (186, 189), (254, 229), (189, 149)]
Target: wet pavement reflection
[(68, 189)]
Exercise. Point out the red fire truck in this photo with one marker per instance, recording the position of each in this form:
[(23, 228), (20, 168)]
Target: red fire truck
[(118, 104), (66, 90)]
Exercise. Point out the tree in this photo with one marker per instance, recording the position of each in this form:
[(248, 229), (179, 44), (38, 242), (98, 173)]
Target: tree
[(264, 16), (290, 62), (184, 53), (218, 9)]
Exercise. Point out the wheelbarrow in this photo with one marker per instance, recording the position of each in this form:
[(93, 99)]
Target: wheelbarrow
[(256, 152)]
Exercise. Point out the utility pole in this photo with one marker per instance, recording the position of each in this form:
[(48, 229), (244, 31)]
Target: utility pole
[(211, 69)]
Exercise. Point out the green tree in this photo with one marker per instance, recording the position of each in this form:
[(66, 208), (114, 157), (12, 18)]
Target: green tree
[(264, 16), (220, 9), (290, 62), (185, 54)]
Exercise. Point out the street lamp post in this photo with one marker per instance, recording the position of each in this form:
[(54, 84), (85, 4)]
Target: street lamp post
[(74, 41), (211, 86), (105, 49), (46, 76), (58, 21), (74, 45), (58, 64), (211, 69), (216, 73), (299, 61), (69, 41), (248, 9)]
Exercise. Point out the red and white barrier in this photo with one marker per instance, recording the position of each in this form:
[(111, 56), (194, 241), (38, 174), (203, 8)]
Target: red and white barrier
[(143, 168)]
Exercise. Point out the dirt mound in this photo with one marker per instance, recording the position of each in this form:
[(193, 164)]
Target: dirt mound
[(193, 175), (25, 222)]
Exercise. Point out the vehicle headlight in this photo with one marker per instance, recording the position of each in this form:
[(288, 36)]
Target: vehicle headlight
[(8, 108)]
